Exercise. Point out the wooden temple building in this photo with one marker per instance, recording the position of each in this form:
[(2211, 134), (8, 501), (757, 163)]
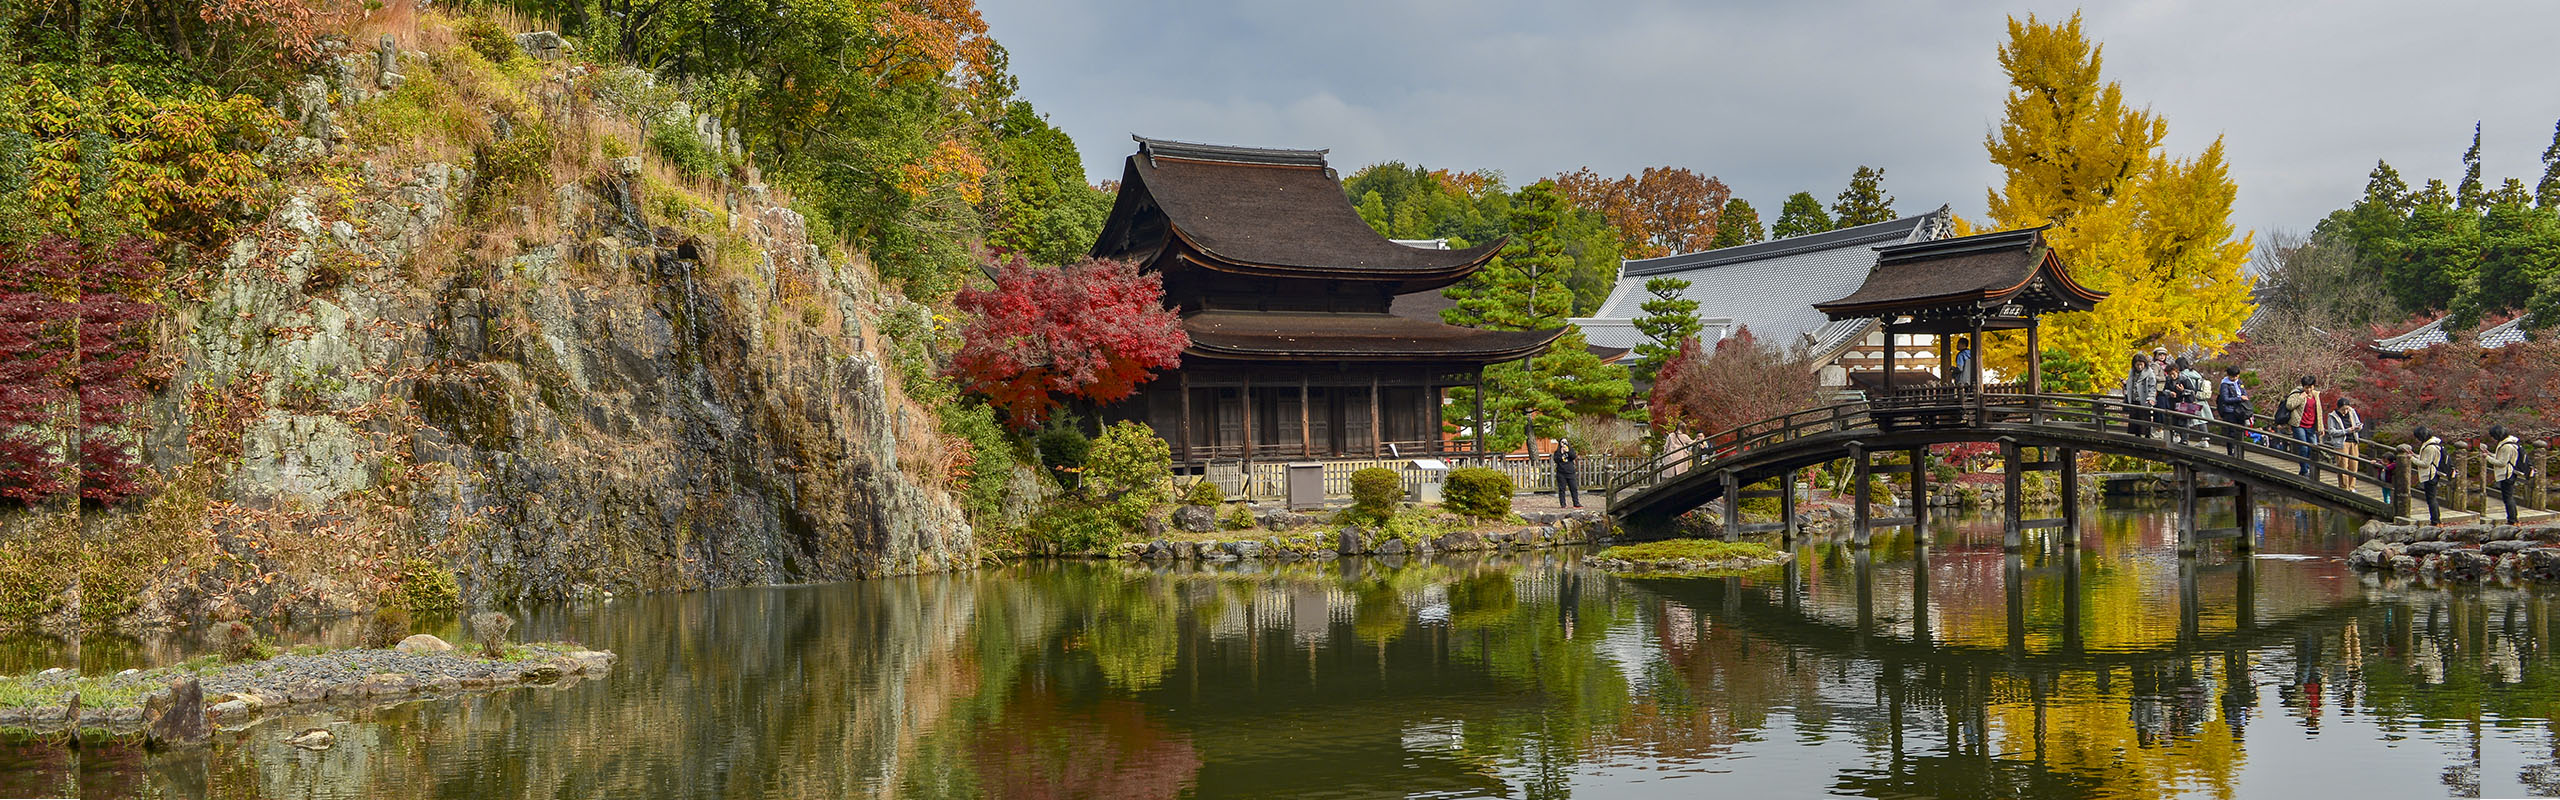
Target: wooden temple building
[(1288, 298), (1959, 289)]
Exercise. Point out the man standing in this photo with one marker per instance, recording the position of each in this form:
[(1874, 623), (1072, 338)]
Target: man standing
[(2504, 454), (2231, 405), (1566, 484), (2303, 412)]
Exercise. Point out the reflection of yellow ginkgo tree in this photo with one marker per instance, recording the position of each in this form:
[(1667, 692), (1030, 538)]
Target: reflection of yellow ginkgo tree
[(2089, 730)]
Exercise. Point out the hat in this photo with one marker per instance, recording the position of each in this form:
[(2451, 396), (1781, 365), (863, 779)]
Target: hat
[(2163, 350)]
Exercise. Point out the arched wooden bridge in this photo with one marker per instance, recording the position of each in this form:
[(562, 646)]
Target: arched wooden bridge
[(2211, 460)]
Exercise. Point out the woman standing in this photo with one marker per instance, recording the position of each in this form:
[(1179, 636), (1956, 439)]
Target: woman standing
[(2506, 452), (2139, 386), (2346, 431), (2427, 466)]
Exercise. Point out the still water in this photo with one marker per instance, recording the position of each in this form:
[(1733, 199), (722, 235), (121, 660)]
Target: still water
[(2114, 669)]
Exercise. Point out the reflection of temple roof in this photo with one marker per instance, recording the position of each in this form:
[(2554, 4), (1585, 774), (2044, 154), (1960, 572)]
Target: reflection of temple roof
[(1295, 335)]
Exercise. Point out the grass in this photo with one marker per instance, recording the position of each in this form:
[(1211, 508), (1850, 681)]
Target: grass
[(1694, 550), (102, 691)]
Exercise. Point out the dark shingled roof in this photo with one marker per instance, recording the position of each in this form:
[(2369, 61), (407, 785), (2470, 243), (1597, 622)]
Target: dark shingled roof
[(1316, 334), (1990, 267), (1273, 208)]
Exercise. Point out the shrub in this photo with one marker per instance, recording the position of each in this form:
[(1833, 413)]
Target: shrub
[(1478, 492), (1237, 518), (1374, 492), (389, 625), (491, 627), (1131, 470), (426, 586), (1203, 493), (683, 149), (489, 40), (1064, 450), (1075, 526), (240, 643)]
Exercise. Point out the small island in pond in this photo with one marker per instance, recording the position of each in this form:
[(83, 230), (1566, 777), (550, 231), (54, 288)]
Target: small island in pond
[(1688, 557)]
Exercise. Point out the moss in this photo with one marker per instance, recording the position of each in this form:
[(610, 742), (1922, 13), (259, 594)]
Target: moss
[(426, 586), (1697, 550)]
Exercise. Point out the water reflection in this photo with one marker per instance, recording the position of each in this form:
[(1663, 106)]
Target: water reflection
[(2111, 668)]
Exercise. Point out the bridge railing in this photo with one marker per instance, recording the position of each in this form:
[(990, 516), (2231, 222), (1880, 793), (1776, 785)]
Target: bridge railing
[(2098, 416)]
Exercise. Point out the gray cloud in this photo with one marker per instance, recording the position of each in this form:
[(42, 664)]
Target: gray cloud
[(1779, 97)]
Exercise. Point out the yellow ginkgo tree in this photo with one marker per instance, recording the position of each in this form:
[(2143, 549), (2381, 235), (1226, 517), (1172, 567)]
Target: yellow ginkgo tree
[(2151, 230)]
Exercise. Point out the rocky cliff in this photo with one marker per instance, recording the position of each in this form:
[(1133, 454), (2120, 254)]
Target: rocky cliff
[(544, 376)]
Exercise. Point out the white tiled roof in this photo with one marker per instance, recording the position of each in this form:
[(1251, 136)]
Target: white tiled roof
[(1769, 287), (2433, 333)]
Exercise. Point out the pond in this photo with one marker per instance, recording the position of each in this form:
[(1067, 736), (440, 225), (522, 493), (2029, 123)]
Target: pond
[(2113, 669)]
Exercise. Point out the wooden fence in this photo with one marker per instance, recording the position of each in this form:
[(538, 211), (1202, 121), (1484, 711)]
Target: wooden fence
[(1267, 481)]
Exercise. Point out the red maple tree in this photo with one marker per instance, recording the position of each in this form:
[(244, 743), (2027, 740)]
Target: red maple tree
[(1095, 330), (117, 286), (36, 331), (1741, 381), (55, 292)]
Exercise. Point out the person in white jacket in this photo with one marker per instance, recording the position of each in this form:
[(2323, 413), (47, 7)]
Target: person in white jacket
[(2505, 452), (2425, 466)]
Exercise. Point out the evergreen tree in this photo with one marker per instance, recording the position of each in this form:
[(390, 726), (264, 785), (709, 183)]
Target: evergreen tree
[(1045, 211), (1524, 289), (2519, 253), (2151, 231), (1864, 202), (1801, 215), (2435, 256), (1668, 320), (1740, 224), (2473, 194), (2547, 193)]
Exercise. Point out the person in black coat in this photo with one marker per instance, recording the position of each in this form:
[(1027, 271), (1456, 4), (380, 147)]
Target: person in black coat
[(1568, 484)]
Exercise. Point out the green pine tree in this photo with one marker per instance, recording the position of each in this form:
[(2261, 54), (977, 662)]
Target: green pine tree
[(2473, 194), (1524, 288), (1801, 215), (1668, 320), (2437, 255), (1864, 202), (1739, 224), (2547, 193), (2519, 255)]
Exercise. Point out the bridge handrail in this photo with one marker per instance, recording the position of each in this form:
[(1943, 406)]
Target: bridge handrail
[(1995, 409)]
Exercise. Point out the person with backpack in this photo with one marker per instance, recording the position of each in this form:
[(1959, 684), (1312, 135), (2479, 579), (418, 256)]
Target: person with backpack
[(2188, 385), (2164, 394), (2506, 454), (2231, 405), (2428, 467), (2303, 412), (2346, 428)]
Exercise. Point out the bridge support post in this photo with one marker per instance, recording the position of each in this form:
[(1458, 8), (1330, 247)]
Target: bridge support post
[(1861, 517), (1732, 505), (1919, 494), (2012, 522), (2070, 497), (1787, 507), (2245, 511), (2186, 478)]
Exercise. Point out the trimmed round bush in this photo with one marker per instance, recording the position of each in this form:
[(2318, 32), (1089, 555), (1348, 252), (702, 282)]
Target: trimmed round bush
[(1478, 492), (1374, 492), (1203, 493)]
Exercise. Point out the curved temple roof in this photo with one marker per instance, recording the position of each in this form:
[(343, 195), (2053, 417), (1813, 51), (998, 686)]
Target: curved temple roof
[(1365, 337), (1262, 211), (1972, 272)]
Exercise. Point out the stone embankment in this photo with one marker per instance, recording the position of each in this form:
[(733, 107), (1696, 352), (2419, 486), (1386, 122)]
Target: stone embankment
[(1292, 536), (236, 695), (2461, 553)]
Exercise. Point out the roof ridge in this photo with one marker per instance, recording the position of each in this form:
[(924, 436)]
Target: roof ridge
[(1840, 238), (1234, 154)]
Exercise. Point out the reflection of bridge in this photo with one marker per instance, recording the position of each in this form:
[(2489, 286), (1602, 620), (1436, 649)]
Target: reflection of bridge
[(2035, 433)]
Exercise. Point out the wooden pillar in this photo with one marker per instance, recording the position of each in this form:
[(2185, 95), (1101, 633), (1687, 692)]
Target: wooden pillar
[(1377, 432), (1306, 433), (2070, 497), (2186, 478), (1732, 505), (2035, 359), (1861, 515), (1483, 446), (1247, 394), (1787, 506), (1946, 357), (1889, 359), (2400, 486), (1182, 381), (2012, 461), (2245, 508), (1919, 494), (1973, 373)]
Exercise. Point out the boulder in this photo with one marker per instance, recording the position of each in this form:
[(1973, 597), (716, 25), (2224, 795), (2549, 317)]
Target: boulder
[(175, 718), (2430, 548), (1157, 551), (541, 673), (1391, 547), (2542, 563), (544, 45), (2466, 565), (422, 644), (1348, 542), (2505, 546), (2404, 564), (313, 739), (1245, 549), (1196, 519), (1459, 541), (591, 662)]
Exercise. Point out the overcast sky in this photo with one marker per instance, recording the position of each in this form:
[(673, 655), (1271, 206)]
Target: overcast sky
[(1779, 97)]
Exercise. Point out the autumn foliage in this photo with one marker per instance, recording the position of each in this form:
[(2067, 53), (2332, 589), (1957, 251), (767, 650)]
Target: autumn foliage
[(2462, 388), (1662, 211), (35, 359), (1095, 330), (54, 293), (1740, 381)]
